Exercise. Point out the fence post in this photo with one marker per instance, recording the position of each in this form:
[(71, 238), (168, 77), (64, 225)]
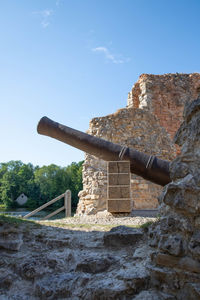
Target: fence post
[(68, 203)]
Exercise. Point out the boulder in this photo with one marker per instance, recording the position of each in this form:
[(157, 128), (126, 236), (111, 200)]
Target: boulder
[(122, 236)]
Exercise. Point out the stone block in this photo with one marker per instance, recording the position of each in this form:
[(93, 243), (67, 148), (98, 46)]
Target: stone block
[(121, 236), (191, 291), (185, 263), (116, 206), (171, 244)]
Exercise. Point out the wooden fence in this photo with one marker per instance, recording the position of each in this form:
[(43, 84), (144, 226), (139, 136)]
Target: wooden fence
[(66, 206)]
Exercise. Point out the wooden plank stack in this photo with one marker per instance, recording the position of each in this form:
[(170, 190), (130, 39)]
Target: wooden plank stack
[(118, 192)]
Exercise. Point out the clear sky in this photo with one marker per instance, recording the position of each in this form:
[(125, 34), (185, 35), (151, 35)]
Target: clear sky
[(73, 60)]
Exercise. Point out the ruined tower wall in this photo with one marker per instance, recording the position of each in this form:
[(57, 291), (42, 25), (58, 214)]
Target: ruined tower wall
[(175, 267), (153, 114), (165, 96)]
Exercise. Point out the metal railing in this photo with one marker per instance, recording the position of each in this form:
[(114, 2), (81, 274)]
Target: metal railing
[(66, 206)]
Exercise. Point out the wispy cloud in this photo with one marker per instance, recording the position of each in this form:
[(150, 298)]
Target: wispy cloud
[(58, 2), (116, 59), (45, 16)]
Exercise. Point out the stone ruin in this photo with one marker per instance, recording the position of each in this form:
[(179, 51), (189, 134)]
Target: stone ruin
[(47, 263), (175, 268), (148, 124)]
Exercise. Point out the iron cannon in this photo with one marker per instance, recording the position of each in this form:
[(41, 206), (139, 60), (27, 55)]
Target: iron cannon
[(147, 166)]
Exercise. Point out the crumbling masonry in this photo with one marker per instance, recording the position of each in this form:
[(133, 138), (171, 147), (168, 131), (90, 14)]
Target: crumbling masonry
[(175, 268), (148, 123)]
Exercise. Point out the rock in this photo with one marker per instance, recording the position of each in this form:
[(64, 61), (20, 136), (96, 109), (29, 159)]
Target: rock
[(95, 265), (32, 269), (7, 280), (172, 244), (153, 295), (194, 244), (58, 243), (104, 289), (58, 286), (185, 263), (190, 291), (10, 239), (142, 252), (122, 236), (162, 277), (136, 279), (178, 195)]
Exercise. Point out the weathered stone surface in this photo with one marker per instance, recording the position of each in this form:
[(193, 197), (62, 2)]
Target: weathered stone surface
[(194, 244), (190, 291), (56, 286), (10, 239), (186, 263), (32, 267), (153, 295), (172, 244), (137, 279), (176, 237), (122, 236), (184, 195), (107, 288), (143, 252), (7, 280), (95, 265)]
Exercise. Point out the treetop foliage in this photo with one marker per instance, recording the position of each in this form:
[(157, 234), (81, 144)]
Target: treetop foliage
[(39, 184)]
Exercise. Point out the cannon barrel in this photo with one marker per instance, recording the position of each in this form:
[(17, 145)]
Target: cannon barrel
[(149, 167)]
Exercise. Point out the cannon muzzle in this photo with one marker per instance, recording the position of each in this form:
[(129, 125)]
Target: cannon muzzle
[(149, 167)]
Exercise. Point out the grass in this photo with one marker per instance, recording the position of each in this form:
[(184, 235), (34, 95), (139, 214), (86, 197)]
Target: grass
[(146, 225), (91, 226), (17, 221), (6, 219)]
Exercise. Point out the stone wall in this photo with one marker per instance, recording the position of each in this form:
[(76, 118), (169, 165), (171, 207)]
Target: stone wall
[(175, 268), (153, 114)]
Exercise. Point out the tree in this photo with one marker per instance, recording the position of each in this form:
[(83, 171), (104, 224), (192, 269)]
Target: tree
[(39, 184), (74, 172), (17, 178), (52, 181)]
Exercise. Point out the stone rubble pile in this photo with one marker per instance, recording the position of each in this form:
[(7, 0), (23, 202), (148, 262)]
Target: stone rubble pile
[(59, 263)]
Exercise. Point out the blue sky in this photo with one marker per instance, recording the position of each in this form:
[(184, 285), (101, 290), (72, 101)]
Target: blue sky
[(73, 60)]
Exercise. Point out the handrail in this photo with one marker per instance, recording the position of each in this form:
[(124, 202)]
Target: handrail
[(67, 206)]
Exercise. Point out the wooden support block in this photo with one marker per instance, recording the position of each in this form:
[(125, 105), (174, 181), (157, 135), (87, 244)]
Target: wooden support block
[(118, 167), (118, 206), (118, 187), (118, 179), (117, 192)]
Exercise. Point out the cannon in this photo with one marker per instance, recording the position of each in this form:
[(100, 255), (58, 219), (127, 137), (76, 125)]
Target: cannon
[(147, 166)]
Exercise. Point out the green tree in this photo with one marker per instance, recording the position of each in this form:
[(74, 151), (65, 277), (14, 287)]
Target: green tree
[(38, 184), (74, 172), (52, 181), (17, 178)]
